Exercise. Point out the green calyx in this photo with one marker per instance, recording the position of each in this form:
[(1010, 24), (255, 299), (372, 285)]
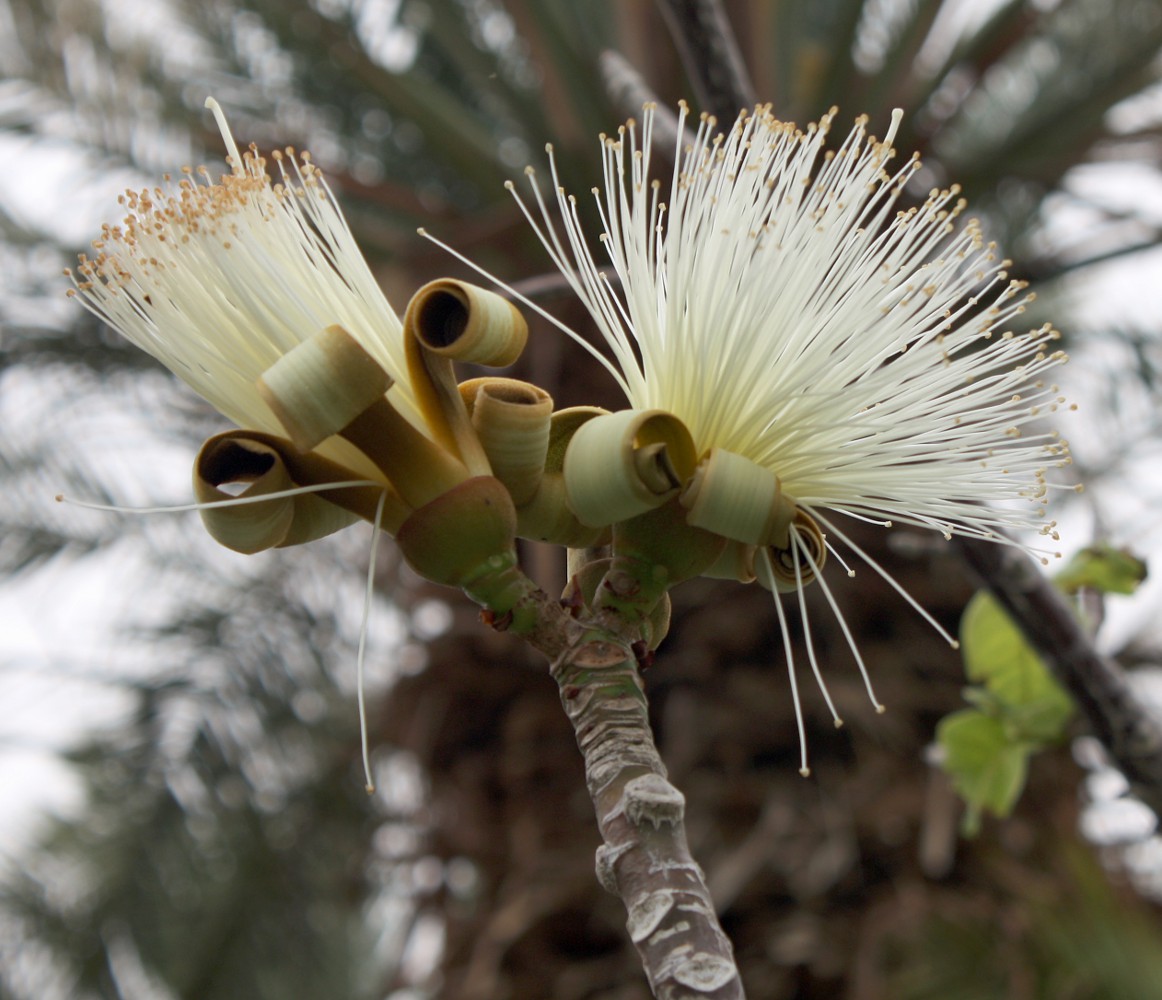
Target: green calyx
[(462, 536), (664, 540)]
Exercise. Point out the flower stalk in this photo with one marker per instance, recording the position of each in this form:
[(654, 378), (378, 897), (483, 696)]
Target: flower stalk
[(644, 858)]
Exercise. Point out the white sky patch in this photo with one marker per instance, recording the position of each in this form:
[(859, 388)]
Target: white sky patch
[(56, 662), (60, 190)]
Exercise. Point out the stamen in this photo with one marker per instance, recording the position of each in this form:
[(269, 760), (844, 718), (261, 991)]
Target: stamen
[(796, 544), (227, 136), (888, 578), (863, 671), (804, 770), (839, 558), (232, 502), (367, 595), (897, 117)]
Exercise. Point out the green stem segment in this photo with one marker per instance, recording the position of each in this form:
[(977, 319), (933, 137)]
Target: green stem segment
[(510, 598)]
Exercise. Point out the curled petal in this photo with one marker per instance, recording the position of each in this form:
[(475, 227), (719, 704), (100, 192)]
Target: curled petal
[(512, 420), (322, 384), (448, 321), (329, 385), (547, 516), (777, 572), (456, 320), (270, 465), (623, 464), (738, 499)]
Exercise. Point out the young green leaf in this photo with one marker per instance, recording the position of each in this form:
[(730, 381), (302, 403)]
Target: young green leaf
[(997, 656), (987, 768), (1102, 568)]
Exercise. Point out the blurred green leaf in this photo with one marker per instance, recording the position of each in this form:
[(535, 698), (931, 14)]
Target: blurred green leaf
[(986, 767), (997, 656), (1102, 568), (1018, 708)]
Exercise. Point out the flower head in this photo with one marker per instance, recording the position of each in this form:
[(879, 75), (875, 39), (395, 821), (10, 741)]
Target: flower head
[(219, 279), (252, 290), (771, 296)]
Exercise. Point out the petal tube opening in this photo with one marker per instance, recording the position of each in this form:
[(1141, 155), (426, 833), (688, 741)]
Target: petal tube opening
[(512, 420), (270, 465), (461, 321), (781, 571), (620, 465)]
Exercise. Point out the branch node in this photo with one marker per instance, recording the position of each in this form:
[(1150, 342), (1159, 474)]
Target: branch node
[(598, 654), (705, 973), (605, 862), (651, 797), (647, 912)]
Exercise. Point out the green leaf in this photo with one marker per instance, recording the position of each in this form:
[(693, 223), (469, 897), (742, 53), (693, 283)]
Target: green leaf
[(997, 656), (1039, 722), (1102, 568), (1018, 708), (987, 769)]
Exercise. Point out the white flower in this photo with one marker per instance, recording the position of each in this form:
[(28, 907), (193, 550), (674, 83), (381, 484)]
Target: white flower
[(220, 279), (773, 298)]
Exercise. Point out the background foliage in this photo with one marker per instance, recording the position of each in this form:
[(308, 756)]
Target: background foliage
[(226, 848)]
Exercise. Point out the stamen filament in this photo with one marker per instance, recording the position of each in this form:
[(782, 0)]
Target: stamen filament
[(804, 770), (888, 578), (370, 785), (796, 544), (863, 671), (232, 502)]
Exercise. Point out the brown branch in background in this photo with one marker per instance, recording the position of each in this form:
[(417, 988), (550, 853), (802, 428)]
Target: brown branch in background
[(550, 283), (710, 56), (1129, 731), (631, 93), (625, 85)]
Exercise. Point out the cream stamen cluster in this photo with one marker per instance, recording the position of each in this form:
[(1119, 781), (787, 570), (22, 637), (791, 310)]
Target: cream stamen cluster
[(780, 305), (220, 279)]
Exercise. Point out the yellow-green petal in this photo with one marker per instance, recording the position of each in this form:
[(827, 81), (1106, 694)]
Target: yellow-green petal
[(734, 497), (512, 420), (319, 386), (619, 465)]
